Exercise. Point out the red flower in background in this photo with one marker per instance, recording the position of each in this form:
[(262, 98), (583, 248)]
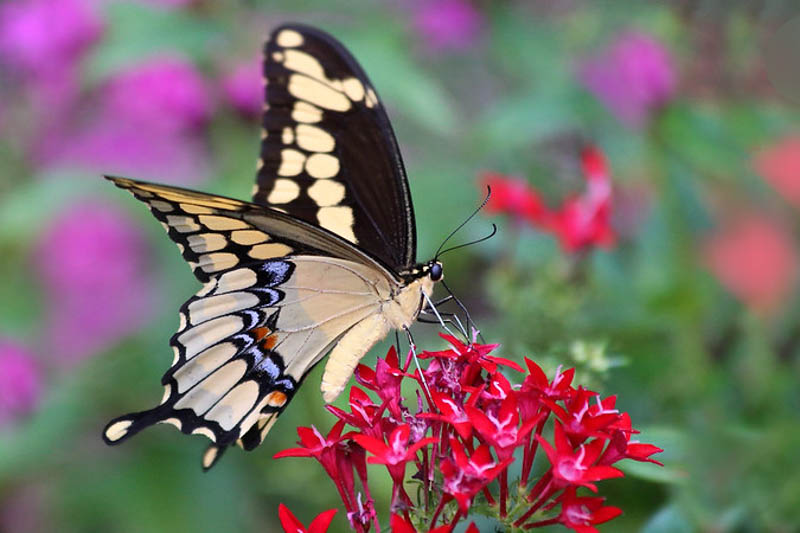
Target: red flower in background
[(779, 165), (515, 197), (755, 258), (581, 222)]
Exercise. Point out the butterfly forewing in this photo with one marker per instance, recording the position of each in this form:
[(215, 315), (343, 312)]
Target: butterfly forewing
[(328, 153), (278, 294)]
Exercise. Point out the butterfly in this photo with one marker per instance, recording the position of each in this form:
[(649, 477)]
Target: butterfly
[(321, 261)]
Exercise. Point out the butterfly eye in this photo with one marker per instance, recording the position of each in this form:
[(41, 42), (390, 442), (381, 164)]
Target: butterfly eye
[(436, 271)]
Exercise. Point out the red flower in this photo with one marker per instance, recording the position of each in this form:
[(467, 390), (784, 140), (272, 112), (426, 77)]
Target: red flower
[(779, 165), (465, 476), (755, 258), (582, 418), (582, 221), (580, 514), (622, 447), (398, 524), (501, 430), (515, 197), (452, 412), (473, 353), (585, 220), (453, 463), (291, 524), (574, 467)]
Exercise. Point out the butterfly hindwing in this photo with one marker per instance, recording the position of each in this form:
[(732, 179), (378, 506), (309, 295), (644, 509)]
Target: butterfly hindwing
[(328, 152), (261, 321)]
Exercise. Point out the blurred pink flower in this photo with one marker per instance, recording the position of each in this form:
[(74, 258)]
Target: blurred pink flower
[(20, 382), (447, 24), (779, 165), (244, 89), (632, 77), (147, 125), (41, 37), (92, 263), (118, 148), (755, 258), (167, 93)]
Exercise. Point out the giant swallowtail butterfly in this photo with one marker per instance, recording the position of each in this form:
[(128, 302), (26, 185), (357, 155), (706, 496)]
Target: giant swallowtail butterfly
[(322, 260)]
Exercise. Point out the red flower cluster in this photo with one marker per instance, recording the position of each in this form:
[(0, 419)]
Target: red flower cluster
[(580, 222), (470, 424)]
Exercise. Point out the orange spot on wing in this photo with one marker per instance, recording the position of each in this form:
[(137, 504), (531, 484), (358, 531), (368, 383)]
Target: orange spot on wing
[(269, 342), (276, 399), (259, 333)]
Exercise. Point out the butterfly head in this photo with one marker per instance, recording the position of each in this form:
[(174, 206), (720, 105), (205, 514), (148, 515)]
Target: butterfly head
[(432, 270), (435, 270)]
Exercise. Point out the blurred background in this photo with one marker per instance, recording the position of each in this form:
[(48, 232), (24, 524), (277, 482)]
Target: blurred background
[(670, 279)]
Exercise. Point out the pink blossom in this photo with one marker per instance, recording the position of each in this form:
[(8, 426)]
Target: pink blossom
[(111, 146), (632, 77), (165, 92), (243, 88), (92, 264), (779, 165), (41, 37), (20, 381), (447, 24), (755, 258), (146, 126)]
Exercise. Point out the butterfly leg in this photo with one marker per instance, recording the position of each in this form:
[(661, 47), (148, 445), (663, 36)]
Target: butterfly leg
[(470, 322), (438, 316), (447, 318), (413, 346)]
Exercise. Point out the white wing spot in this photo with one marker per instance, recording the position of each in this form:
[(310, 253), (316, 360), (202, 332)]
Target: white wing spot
[(249, 236), (287, 136), (314, 139), (182, 224), (196, 209), (339, 220), (305, 112), (117, 430), (317, 93), (207, 242), (242, 278), (217, 261), (269, 250), (292, 162), (289, 38), (218, 223), (283, 192), (162, 206), (353, 88), (322, 166), (326, 193)]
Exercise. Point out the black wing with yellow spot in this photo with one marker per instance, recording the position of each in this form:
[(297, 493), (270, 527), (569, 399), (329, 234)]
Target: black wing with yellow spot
[(264, 317), (328, 152)]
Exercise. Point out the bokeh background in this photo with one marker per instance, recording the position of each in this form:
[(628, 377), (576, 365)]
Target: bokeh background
[(689, 310)]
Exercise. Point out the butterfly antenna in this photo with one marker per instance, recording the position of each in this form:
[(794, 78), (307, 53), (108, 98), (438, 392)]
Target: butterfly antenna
[(476, 241), (485, 200)]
